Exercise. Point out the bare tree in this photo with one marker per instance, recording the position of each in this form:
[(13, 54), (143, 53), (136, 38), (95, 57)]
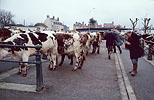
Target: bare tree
[(146, 23), (92, 22), (134, 23), (6, 17)]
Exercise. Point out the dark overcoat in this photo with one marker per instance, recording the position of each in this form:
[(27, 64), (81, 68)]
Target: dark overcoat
[(135, 48), (110, 38)]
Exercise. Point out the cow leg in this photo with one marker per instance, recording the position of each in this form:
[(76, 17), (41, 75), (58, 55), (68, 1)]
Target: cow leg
[(62, 60), (80, 57), (53, 62), (98, 48), (87, 51), (81, 62), (25, 57), (25, 70), (77, 56), (94, 49), (50, 65), (71, 57), (20, 69)]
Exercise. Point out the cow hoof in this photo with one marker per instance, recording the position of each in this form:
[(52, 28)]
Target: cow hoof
[(54, 68), (19, 73), (24, 75), (74, 69), (60, 64), (50, 69), (71, 63), (79, 67)]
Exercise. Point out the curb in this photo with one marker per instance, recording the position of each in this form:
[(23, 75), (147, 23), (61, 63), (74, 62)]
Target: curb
[(126, 90), (149, 61)]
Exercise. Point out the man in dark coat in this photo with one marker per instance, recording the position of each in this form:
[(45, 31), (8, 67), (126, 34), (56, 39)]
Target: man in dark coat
[(133, 44), (110, 38)]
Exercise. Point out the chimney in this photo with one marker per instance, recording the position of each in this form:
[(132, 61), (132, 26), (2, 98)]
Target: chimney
[(47, 16), (53, 17), (57, 18)]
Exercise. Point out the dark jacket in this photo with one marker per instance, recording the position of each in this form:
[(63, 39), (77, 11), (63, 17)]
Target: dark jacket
[(135, 48), (110, 38)]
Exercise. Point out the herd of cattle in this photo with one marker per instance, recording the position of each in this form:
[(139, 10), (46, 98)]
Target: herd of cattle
[(71, 44), (53, 44)]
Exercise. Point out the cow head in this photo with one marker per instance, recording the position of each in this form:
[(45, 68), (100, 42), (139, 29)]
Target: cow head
[(4, 34)]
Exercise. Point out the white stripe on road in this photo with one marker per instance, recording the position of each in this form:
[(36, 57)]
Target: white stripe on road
[(18, 87), (15, 86), (126, 90), (12, 71), (9, 73)]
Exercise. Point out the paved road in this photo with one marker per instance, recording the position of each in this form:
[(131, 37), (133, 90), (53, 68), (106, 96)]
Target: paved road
[(5, 66), (143, 83), (96, 81)]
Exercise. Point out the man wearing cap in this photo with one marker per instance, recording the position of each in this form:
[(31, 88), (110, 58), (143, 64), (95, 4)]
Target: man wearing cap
[(133, 44)]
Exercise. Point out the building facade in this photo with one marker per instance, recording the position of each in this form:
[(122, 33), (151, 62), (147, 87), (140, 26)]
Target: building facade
[(54, 24), (111, 25), (79, 25)]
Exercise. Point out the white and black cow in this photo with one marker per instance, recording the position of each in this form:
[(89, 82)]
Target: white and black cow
[(72, 44), (46, 39)]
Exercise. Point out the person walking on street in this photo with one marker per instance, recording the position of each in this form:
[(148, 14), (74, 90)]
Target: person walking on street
[(118, 42), (136, 51), (110, 38)]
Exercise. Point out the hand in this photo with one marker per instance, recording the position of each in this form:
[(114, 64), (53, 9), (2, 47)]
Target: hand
[(128, 43)]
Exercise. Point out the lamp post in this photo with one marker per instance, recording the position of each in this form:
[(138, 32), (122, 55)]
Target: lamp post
[(90, 16)]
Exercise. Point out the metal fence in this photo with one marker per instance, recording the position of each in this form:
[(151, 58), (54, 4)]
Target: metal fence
[(39, 75)]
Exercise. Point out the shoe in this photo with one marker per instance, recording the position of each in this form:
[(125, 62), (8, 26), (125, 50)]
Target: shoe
[(130, 71), (133, 73)]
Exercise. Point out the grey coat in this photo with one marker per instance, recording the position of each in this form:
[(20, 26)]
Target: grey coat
[(118, 41)]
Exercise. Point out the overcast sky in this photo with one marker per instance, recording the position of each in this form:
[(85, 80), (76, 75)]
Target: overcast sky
[(71, 11)]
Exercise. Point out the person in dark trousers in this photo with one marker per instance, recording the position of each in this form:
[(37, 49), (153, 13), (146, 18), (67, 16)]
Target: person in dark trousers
[(110, 38), (118, 42), (136, 51)]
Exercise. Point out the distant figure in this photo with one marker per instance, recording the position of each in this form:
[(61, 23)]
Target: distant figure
[(136, 51), (110, 38), (118, 42)]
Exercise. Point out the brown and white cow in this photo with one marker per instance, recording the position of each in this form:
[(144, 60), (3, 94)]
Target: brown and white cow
[(46, 39), (73, 44), (95, 41)]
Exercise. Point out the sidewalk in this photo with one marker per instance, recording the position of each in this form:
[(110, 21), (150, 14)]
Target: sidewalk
[(143, 82), (96, 81)]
